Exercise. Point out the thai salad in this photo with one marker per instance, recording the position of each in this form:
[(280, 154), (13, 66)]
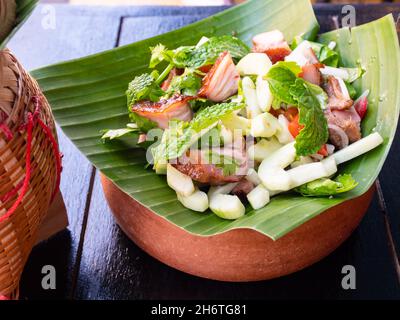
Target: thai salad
[(230, 125)]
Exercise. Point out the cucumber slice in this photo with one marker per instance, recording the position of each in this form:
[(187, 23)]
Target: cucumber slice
[(253, 177), (276, 179), (264, 95), (281, 158), (227, 206), (225, 189), (310, 172), (180, 182), (284, 136), (302, 160), (263, 149), (358, 148), (254, 64), (258, 197), (250, 97), (197, 201), (237, 123), (264, 125)]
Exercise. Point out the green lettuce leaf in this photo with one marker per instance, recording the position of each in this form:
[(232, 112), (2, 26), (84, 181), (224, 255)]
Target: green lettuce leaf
[(328, 187)]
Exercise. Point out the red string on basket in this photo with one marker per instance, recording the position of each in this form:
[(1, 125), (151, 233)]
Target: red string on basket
[(32, 119), (4, 298), (6, 130)]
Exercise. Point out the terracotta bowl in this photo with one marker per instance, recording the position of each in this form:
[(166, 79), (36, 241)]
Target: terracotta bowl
[(237, 255)]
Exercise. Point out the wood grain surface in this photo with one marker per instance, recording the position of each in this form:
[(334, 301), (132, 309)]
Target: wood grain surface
[(95, 260)]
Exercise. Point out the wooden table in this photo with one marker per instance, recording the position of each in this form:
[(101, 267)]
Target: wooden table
[(95, 260)]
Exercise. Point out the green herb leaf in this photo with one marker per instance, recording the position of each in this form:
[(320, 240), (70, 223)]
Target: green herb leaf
[(315, 133), (286, 87), (280, 78), (144, 87), (159, 53), (352, 91), (328, 187), (181, 135), (117, 133), (208, 52), (187, 84)]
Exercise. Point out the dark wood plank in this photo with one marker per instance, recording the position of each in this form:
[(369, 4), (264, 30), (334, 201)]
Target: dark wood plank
[(114, 268), (73, 37)]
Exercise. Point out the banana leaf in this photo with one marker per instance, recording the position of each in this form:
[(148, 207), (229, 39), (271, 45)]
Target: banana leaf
[(88, 95), (24, 9)]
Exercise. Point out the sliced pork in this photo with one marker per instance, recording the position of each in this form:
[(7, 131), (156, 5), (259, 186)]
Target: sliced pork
[(176, 107), (199, 166), (337, 136), (222, 81), (311, 73), (347, 120), (167, 82), (273, 44), (337, 98), (242, 189)]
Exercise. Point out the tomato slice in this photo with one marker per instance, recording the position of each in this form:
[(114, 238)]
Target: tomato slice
[(323, 151), (294, 126)]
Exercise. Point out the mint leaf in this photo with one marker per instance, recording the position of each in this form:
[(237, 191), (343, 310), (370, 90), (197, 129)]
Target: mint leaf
[(287, 87), (310, 101), (280, 79), (188, 84), (144, 87), (208, 52), (328, 187), (181, 135)]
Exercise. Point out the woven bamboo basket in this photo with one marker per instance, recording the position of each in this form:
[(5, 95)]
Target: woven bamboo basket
[(29, 168)]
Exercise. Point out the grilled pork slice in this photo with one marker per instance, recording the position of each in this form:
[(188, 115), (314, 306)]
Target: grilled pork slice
[(242, 189), (273, 44), (172, 74), (176, 107), (347, 120), (199, 166), (337, 98), (222, 81), (310, 72)]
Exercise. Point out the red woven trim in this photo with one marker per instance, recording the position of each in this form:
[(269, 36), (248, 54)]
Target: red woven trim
[(25, 185), (6, 130), (56, 152), (32, 119), (2, 298)]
